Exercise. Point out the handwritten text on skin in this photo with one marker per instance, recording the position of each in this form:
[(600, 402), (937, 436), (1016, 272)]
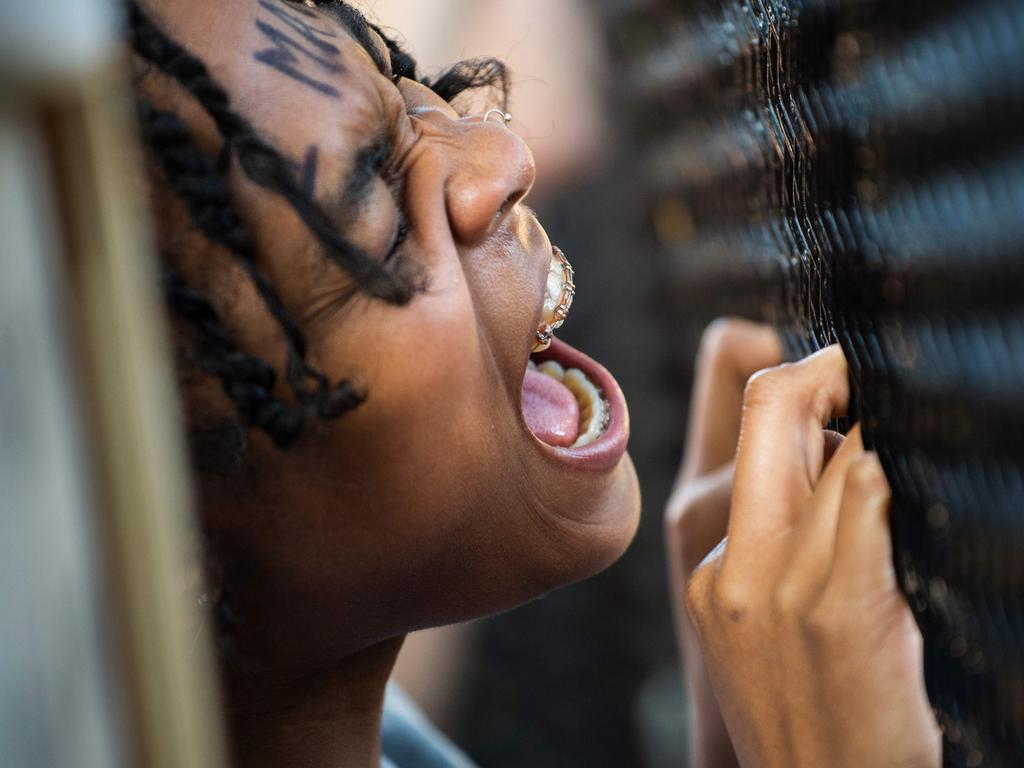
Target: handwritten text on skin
[(298, 46)]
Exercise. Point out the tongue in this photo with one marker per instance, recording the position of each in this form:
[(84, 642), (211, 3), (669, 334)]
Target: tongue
[(550, 409)]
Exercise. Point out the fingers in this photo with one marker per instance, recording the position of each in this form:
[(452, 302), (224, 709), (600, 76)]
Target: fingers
[(863, 545), (800, 685), (842, 543), (696, 518), (812, 546), (782, 444), (731, 351)]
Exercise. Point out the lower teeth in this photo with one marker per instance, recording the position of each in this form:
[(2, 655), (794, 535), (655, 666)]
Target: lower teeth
[(595, 412)]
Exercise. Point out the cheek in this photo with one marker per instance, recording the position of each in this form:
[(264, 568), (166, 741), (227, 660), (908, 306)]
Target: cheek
[(435, 395), (420, 465)]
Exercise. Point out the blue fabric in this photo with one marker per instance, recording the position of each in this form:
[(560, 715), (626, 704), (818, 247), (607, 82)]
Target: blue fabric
[(409, 740)]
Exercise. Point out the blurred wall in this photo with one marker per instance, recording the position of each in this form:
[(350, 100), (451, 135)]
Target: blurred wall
[(557, 61)]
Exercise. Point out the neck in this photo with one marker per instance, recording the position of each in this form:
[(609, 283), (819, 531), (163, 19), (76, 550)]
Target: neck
[(324, 719)]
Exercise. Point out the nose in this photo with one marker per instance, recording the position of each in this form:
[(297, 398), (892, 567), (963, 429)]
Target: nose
[(493, 170)]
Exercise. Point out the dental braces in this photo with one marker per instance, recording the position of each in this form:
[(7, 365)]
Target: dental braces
[(547, 331)]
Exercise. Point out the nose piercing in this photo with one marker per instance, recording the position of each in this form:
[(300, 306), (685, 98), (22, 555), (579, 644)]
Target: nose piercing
[(502, 114), (547, 330)]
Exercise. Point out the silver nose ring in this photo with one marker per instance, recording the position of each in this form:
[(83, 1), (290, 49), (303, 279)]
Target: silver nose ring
[(504, 116)]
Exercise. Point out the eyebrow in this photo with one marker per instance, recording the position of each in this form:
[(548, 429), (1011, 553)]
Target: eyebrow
[(368, 164)]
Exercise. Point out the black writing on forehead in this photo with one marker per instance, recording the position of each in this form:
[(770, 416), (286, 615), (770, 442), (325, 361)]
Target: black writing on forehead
[(313, 34), (302, 8), (297, 46)]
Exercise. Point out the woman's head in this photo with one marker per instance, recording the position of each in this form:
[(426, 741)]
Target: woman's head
[(354, 280)]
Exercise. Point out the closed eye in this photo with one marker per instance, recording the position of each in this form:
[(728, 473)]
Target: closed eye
[(401, 235), (372, 165)]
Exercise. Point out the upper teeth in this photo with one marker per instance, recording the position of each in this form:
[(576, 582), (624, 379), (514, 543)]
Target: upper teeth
[(558, 296)]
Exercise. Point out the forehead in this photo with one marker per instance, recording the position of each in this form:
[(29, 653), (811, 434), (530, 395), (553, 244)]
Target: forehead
[(297, 73)]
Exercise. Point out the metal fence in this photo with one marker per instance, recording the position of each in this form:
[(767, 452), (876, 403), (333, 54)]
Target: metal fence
[(853, 171)]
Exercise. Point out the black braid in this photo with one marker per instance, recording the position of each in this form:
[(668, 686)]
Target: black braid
[(194, 178), (263, 164), (247, 380)]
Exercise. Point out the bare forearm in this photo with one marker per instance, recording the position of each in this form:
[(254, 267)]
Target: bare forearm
[(709, 743)]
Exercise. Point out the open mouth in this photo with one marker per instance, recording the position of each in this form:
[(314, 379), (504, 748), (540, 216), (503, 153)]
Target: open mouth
[(563, 407), (569, 401)]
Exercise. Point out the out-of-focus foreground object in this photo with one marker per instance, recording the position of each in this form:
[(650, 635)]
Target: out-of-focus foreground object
[(97, 665), (853, 170)]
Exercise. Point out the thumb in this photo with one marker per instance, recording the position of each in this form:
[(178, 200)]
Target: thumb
[(863, 551)]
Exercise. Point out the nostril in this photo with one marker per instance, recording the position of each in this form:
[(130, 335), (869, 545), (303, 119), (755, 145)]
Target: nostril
[(510, 202), (491, 172)]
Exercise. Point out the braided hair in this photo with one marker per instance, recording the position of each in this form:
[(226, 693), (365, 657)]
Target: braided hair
[(200, 183)]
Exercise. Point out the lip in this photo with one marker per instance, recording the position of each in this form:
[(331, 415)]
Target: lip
[(604, 453)]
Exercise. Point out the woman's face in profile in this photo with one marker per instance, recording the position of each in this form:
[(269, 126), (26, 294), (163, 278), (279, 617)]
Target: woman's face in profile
[(433, 501)]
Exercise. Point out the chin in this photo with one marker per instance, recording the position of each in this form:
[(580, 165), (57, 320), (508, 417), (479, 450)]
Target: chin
[(579, 425), (587, 538), (613, 524)]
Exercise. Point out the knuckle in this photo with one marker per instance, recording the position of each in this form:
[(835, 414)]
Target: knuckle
[(824, 625), (677, 507), (717, 338), (866, 479), (725, 343), (684, 508), (820, 407), (816, 628), (766, 387), (786, 600), (731, 598), (675, 510)]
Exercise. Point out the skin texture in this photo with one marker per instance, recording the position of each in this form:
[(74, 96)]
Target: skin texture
[(697, 513), (432, 502), (801, 651)]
